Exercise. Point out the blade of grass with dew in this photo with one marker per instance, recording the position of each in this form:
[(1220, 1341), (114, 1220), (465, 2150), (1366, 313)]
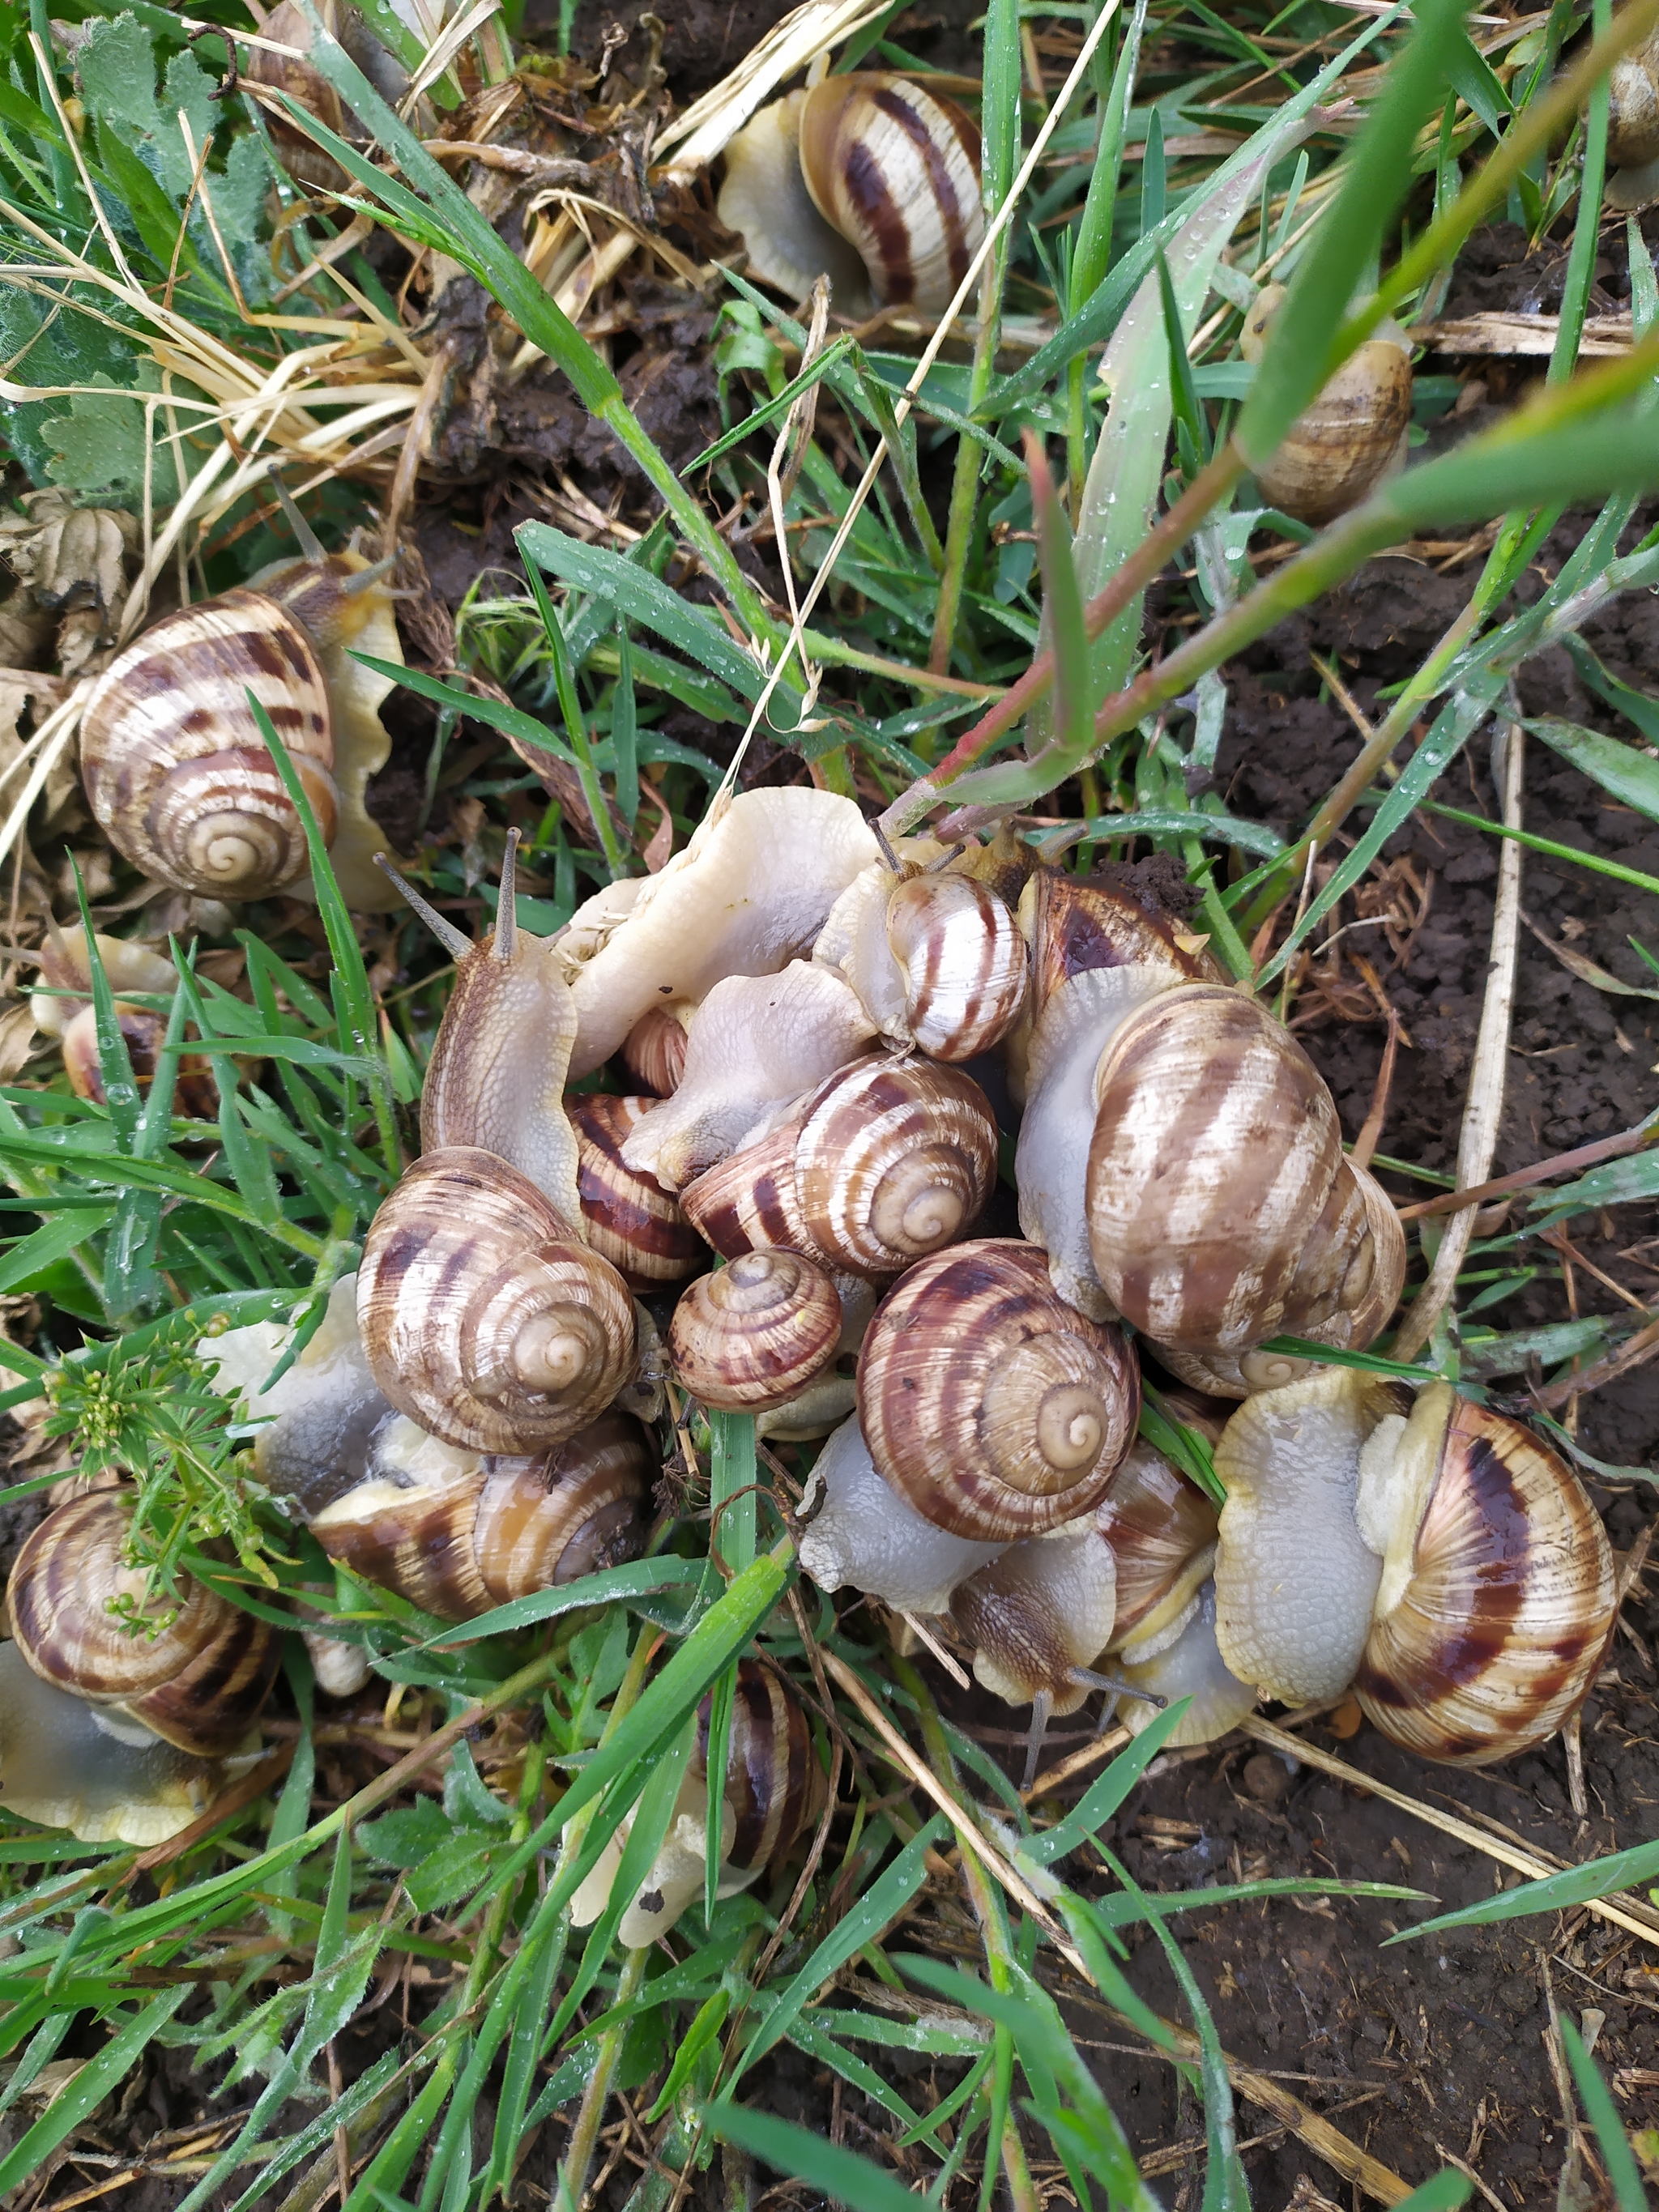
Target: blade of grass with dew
[(1104, 1795), (882, 1902), (841, 2175), (1554, 1892), (732, 1472), (77, 2103), (1630, 776), (1628, 2193), (1635, 706)]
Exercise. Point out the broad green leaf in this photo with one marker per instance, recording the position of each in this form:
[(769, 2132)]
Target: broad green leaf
[(1552, 1893)]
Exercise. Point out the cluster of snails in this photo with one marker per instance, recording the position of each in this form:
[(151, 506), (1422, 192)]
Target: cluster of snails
[(175, 768)]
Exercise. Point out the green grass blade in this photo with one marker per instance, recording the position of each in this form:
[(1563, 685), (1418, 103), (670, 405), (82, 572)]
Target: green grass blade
[(89, 2088), (494, 714), (1630, 776), (841, 2175), (1617, 2155), (1552, 1893), (1104, 1795), (1442, 2193)]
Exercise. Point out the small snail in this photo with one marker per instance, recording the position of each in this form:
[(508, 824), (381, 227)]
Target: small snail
[(1433, 1554), (885, 1162), (482, 1317), (121, 1714), (1220, 1209), (1634, 108), (457, 1535), (937, 960), (629, 1218), (754, 1043), (868, 179), (756, 1333), (176, 771), (66, 966), (1352, 435), (495, 1079), (774, 1791), (749, 893), (654, 1051)]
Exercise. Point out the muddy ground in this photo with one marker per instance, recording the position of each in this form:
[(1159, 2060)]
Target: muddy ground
[(1421, 2050)]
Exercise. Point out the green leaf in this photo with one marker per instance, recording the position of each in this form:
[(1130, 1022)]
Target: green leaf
[(32, 1254), (494, 714), (1105, 1794), (841, 2175), (1616, 2153), (1553, 1893), (1442, 2192), (1631, 776), (1635, 706), (707, 2025)]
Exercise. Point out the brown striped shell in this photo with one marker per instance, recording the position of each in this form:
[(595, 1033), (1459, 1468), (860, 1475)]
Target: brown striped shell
[(753, 1334), (774, 1782), (1161, 1528), (482, 1317), (895, 169), (175, 768), (1493, 1635), (1216, 1145), (964, 963), (1352, 434), (996, 1410), (630, 1218), (196, 1680), (457, 1535), (1634, 108), (1072, 923), (889, 1160), (654, 1052)]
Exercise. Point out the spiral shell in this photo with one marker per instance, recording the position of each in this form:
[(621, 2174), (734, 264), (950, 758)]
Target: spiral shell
[(774, 1782), (964, 963), (1634, 108), (482, 1318), (987, 1403), (895, 169), (631, 1220), (408, 1526), (545, 1522), (1352, 433), (888, 1161), (1161, 1529), (176, 770), (654, 1051), (756, 1333), (1038, 1617), (1497, 1633), (196, 1680), (1110, 920), (1215, 1146)]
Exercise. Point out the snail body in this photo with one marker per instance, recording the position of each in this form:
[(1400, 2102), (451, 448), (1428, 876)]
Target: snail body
[(775, 1789), (867, 1535), (1433, 1554), (176, 770), (483, 1318), (457, 1535), (884, 1163), (65, 968), (749, 893), (869, 178), (1351, 437)]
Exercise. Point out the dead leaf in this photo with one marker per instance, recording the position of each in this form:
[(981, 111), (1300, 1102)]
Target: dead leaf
[(16, 1039), (1586, 971)]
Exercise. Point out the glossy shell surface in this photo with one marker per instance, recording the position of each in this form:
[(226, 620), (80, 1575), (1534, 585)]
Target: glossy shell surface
[(630, 1218), (756, 1333)]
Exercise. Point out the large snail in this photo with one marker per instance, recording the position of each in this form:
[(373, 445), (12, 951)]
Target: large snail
[(483, 1317), (176, 771), (885, 1162), (457, 1535), (121, 1714), (775, 1789), (1352, 435), (1433, 1554), (868, 179)]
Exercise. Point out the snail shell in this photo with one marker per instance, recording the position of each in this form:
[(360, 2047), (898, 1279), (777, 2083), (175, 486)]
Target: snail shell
[(751, 1335), (1634, 108), (937, 960), (196, 1092), (290, 26), (197, 1680), (887, 1161), (1215, 1147), (630, 1219), (1352, 435), (654, 1051), (175, 768), (1491, 1626), (1162, 1531), (458, 1536), (889, 169), (1110, 920), (482, 1317), (991, 1406)]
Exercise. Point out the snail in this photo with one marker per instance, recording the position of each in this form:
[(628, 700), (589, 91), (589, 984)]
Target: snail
[(121, 1713), (869, 178), (885, 1162), (175, 768), (754, 1043), (1220, 1209), (832, 1393), (457, 1535), (868, 1537), (1634, 108), (937, 960), (1351, 437), (654, 1051), (629, 1218), (66, 967), (775, 1790), (749, 893), (482, 1317), (1433, 1554), (266, 73), (756, 1333), (495, 1079), (1189, 1665)]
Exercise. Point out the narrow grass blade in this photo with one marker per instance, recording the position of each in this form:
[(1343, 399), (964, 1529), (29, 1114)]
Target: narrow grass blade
[(1104, 1795), (1628, 2193), (1554, 1894), (89, 2088), (1070, 705), (494, 714), (1635, 706), (841, 2175), (1628, 775)]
